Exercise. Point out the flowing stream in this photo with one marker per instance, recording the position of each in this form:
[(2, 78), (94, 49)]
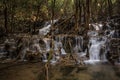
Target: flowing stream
[(98, 45)]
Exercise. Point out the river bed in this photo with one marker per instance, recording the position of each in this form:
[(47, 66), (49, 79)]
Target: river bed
[(36, 71)]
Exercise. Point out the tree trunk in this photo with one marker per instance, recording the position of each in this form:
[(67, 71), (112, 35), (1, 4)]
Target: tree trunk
[(13, 5), (87, 14), (80, 11), (37, 17), (109, 8), (5, 17), (76, 14), (53, 12)]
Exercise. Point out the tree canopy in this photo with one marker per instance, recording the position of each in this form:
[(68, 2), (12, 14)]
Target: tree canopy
[(16, 14)]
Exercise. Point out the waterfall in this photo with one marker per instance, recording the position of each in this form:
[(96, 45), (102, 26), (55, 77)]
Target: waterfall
[(97, 44), (94, 50), (58, 49), (97, 48), (46, 29), (78, 44), (23, 53), (2, 52), (47, 43), (60, 45), (47, 49)]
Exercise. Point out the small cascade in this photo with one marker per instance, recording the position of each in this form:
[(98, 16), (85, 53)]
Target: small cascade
[(57, 48), (7, 49), (63, 51), (96, 26), (29, 47), (2, 52), (60, 45), (24, 49), (79, 46), (95, 49), (47, 43), (23, 53), (46, 29), (99, 43)]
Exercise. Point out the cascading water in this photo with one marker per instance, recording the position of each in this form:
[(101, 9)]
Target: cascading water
[(95, 48), (58, 49), (98, 44), (46, 29), (78, 49), (60, 45), (2, 52), (78, 44), (47, 43)]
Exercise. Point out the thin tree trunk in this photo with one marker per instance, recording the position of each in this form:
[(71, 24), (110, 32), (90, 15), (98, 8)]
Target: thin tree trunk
[(80, 11), (84, 9), (12, 15), (64, 8), (53, 14), (109, 8), (37, 17), (87, 14), (76, 14), (47, 71), (5, 17)]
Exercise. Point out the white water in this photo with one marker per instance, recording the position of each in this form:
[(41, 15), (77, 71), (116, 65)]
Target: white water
[(57, 47), (97, 44), (47, 43), (96, 26), (46, 29), (78, 44), (94, 48), (95, 54)]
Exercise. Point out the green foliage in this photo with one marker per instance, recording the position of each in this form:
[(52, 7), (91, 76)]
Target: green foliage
[(41, 10)]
